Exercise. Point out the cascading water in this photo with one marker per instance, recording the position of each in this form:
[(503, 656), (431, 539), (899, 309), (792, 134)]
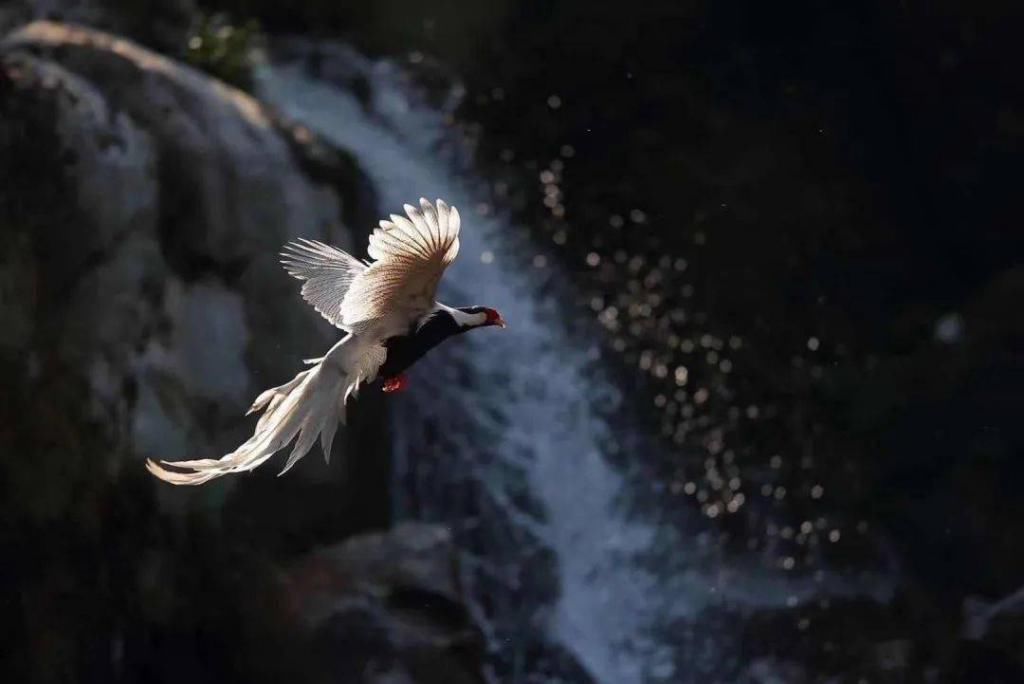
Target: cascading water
[(506, 437)]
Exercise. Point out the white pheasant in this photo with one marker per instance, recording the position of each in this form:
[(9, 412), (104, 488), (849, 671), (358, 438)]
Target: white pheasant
[(388, 309)]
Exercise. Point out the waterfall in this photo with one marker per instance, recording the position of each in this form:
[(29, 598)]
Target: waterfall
[(506, 437)]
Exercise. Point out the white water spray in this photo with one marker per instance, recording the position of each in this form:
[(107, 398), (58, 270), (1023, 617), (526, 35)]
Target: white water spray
[(534, 398)]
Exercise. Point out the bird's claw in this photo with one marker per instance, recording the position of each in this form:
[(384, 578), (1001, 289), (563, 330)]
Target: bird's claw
[(395, 384)]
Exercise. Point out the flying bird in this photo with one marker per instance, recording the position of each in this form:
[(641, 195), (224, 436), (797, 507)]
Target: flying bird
[(388, 309)]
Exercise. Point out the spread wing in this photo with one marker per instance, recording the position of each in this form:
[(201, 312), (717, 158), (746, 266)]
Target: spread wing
[(328, 273), (411, 254)]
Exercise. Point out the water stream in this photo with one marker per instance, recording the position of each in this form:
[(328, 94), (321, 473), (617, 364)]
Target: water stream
[(506, 437)]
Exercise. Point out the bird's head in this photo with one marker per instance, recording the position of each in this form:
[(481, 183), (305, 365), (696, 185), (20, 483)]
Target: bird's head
[(477, 316)]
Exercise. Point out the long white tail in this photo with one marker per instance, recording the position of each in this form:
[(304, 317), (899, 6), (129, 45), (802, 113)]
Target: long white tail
[(310, 405)]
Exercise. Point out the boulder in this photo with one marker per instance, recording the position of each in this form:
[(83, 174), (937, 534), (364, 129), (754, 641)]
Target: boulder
[(388, 608)]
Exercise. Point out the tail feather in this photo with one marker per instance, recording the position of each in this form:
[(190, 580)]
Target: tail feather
[(312, 426), (275, 395), (308, 406), (329, 429)]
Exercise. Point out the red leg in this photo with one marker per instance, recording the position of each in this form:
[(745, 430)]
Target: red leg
[(396, 384)]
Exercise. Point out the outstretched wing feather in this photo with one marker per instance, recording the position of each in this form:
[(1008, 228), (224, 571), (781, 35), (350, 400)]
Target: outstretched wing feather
[(328, 273), (411, 254)]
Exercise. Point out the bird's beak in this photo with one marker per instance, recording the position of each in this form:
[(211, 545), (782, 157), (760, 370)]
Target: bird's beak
[(500, 322)]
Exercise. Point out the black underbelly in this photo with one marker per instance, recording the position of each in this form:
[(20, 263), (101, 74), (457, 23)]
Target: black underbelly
[(405, 350)]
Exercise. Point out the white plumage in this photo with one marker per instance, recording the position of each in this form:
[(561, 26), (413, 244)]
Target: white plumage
[(372, 302), (411, 256)]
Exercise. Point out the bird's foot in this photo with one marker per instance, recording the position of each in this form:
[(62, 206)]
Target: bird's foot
[(395, 384)]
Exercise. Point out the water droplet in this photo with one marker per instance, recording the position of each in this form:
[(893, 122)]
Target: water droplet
[(949, 329)]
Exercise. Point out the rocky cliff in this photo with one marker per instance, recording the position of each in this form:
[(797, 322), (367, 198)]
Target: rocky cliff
[(142, 205)]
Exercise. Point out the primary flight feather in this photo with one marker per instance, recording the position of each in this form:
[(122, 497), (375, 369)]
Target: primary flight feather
[(388, 309)]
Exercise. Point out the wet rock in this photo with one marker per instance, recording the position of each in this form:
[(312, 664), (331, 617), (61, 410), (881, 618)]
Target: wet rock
[(894, 655), (388, 608), (141, 207), (161, 25), (992, 638), (774, 671), (144, 204)]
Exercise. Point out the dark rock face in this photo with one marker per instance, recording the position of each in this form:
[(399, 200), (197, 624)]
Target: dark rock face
[(142, 205), (158, 24), (150, 203), (387, 608)]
